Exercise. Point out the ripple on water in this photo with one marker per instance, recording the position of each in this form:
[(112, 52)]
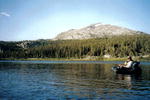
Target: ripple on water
[(94, 80)]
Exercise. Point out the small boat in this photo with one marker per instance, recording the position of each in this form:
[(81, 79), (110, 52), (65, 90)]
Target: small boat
[(135, 69)]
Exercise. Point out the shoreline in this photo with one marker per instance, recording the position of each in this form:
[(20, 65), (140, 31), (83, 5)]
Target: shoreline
[(77, 59)]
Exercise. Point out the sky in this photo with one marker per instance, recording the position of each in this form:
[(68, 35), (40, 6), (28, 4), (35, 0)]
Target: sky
[(45, 19)]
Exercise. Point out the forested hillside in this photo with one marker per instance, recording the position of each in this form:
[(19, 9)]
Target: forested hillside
[(118, 46)]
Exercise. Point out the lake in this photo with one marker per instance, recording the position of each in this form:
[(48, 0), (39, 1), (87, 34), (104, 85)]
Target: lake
[(61, 80)]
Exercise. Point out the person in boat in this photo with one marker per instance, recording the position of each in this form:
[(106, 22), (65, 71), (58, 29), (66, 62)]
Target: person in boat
[(128, 63)]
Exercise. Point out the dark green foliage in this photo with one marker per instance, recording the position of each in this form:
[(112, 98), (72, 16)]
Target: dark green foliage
[(119, 46)]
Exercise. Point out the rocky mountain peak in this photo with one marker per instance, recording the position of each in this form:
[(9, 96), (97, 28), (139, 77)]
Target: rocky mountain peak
[(97, 30)]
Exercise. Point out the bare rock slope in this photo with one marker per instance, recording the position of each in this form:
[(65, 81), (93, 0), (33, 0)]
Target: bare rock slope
[(96, 31)]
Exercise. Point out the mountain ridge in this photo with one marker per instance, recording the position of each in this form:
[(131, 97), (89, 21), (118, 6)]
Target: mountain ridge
[(97, 30)]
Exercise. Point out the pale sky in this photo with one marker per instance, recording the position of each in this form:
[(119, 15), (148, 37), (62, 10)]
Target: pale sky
[(44, 19)]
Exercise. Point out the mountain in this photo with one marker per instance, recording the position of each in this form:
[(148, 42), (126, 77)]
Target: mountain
[(80, 45), (117, 46), (98, 30)]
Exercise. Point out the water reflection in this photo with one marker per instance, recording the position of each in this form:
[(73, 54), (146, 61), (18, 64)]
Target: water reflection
[(70, 81), (126, 78)]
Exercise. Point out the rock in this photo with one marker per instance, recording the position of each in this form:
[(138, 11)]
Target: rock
[(96, 31)]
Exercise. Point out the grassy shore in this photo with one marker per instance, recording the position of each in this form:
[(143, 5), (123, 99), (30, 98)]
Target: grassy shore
[(78, 59)]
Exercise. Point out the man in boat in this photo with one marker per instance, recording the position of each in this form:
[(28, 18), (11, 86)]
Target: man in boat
[(129, 67), (128, 63)]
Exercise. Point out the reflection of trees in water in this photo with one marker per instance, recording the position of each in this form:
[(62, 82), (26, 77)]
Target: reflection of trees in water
[(83, 80), (87, 71), (86, 80), (78, 76), (87, 75), (145, 72), (126, 80)]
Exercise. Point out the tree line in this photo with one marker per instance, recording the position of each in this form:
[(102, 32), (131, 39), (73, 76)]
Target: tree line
[(117, 46)]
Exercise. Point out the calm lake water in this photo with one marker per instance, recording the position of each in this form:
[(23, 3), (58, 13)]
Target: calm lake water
[(61, 80)]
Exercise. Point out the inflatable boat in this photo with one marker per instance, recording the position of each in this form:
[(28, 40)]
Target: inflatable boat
[(135, 69)]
